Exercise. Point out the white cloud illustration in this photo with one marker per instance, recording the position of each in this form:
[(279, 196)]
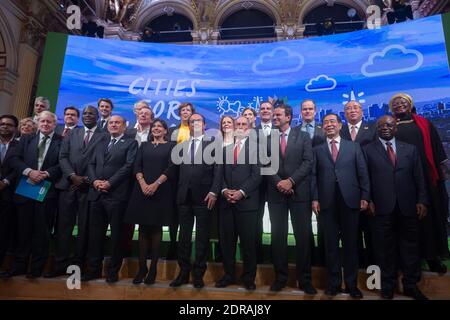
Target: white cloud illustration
[(278, 61), (321, 83), (383, 63)]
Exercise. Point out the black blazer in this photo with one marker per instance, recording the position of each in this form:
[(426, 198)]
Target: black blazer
[(296, 164), (243, 176), (350, 172), (99, 125), (404, 184), (8, 173), (25, 156), (74, 157), (366, 134), (115, 166), (200, 179), (318, 137)]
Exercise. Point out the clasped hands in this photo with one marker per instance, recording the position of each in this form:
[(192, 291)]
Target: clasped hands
[(37, 176), (77, 181), (232, 196), (285, 186), (148, 189), (102, 185)]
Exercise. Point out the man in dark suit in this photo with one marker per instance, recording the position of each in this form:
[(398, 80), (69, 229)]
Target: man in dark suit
[(71, 117), (180, 134), (398, 203), (238, 206), (308, 113), (105, 108), (341, 189), (36, 159), (363, 133), (198, 187), (76, 152), (288, 191), (8, 130), (110, 172), (265, 126)]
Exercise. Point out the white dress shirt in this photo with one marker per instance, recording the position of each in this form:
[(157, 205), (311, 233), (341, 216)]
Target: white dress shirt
[(41, 160), (86, 129), (357, 127), (267, 127), (338, 144), (392, 141), (287, 132), (197, 143)]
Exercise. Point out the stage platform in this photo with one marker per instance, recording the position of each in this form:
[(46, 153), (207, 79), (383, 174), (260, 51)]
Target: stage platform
[(433, 285)]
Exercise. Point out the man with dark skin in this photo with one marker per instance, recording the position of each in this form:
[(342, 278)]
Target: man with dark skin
[(76, 151), (398, 196)]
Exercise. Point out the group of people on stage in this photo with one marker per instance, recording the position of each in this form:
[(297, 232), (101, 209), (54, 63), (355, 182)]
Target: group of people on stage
[(377, 190)]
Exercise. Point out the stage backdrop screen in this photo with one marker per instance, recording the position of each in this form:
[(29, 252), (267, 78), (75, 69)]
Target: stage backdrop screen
[(369, 66)]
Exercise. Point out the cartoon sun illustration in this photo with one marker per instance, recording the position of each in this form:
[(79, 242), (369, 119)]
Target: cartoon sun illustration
[(353, 97)]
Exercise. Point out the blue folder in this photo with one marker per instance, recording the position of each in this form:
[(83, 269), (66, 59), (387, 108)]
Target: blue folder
[(33, 191)]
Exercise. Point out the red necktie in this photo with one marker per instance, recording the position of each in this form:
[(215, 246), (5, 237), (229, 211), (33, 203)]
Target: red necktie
[(283, 144), (391, 153), (237, 148), (87, 137), (353, 133), (334, 150), (65, 132)]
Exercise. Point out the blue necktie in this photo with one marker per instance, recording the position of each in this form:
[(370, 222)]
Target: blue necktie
[(2, 152), (309, 129), (193, 150)]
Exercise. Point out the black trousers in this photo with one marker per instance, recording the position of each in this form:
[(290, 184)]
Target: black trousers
[(301, 225), (34, 227), (73, 209), (105, 211), (259, 220), (340, 221), (235, 223), (365, 241), (397, 246), (8, 227), (187, 212)]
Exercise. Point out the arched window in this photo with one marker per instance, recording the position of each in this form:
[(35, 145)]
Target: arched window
[(2, 52), (325, 20), (168, 28), (246, 24)]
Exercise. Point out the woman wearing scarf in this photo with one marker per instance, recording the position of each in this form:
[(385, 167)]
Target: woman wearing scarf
[(420, 132)]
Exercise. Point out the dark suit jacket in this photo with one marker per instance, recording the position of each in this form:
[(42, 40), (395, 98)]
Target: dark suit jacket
[(115, 166), (242, 176), (404, 184), (74, 157), (318, 137), (367, 133), (199, 178), (349, 171), (296, 164), (99, 125), (25, 156), (8, 173)]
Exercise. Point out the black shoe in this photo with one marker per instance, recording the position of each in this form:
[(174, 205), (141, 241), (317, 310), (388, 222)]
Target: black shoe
[(12, 273), (33, 275), (150, 279), (140, 275), (225, 281), (90, 276), (307, 288), (437, 266), (180, 280), (354, 292), (387, 294), (250, 285), (333, 291), (198, 283), (112, 278), (414, 293), (55, 273), (277, 286)]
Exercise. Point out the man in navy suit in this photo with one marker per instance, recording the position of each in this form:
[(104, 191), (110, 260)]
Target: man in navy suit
[(288, 192), (105, 108), (399, 197), (363, 133), (71, 117), (341, 189), (36, 159), (8, 130), (110, 172)]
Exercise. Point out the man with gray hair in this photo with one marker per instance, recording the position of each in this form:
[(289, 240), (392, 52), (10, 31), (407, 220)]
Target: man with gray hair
[(36, 159), (136, 109), (40, 104)]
